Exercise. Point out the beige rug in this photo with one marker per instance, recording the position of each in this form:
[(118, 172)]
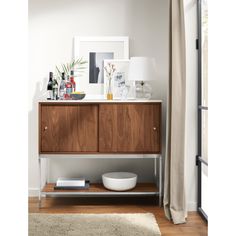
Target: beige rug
[(93, 225)]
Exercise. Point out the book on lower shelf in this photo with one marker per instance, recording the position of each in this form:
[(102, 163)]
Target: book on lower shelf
[(64, 182), (71, 183)]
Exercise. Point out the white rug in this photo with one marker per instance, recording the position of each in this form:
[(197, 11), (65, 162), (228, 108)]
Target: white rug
[(93, 225)]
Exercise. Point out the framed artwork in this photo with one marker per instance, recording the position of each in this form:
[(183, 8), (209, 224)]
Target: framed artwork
[(95, 50), (122, 88)]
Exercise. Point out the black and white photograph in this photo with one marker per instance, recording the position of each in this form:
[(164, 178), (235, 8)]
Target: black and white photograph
[(119, 83), (119, 79), (96, 65)]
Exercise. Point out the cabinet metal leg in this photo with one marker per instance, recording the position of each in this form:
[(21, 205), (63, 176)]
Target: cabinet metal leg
[(155, 172), (47, 171), (160, 180), (39, 160)]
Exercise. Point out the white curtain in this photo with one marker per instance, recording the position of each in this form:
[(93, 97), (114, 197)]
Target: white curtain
[(174, 184)]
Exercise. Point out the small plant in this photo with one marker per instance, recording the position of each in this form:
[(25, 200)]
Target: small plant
[(78, 65)]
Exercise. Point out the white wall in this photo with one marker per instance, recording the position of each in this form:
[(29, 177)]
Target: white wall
[(52, 26), (191, 105)]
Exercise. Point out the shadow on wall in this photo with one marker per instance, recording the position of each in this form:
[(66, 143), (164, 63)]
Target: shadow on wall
[(40, 94)]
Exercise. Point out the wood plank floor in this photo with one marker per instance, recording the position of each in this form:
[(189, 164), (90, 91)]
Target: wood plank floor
[(195, 225)]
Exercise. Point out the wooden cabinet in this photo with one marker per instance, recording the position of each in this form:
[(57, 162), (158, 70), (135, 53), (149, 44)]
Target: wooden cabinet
[(68, 128), (80, 127), (129, 128)]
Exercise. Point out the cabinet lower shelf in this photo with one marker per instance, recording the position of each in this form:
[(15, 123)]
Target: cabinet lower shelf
[(147, 189)]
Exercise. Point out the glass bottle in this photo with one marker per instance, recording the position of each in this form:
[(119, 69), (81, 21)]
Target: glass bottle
[(55, 89), (68, 87), (72, 80), (49, 87), (62, 89)]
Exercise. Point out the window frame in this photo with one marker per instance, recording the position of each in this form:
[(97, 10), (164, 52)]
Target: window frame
[(199, 160)]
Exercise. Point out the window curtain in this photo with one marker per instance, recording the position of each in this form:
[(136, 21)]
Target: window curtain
[(174, 184)]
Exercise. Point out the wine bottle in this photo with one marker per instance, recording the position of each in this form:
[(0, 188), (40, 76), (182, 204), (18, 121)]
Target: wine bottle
[(62, 86), (55, 89), (72, 80), (49, 87)]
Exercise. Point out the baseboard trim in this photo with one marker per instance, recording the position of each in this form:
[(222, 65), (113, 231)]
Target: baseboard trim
[(192, 206), (33, 192)]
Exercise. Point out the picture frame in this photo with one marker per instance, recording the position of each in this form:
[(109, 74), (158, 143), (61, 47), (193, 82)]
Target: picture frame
[(122, 88), (95, 50)]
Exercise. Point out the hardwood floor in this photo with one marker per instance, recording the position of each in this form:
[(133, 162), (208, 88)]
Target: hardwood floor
[(195, 225)]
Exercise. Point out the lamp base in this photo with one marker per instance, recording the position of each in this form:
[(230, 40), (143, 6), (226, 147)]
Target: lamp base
[(143, 90)]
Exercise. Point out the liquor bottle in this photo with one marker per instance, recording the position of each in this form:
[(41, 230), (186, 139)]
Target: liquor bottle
[(62, 86), (72, 80), (68, 87), (55, 89), (49, 87)]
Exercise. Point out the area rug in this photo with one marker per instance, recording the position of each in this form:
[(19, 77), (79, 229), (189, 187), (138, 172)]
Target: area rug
[(93, 225)]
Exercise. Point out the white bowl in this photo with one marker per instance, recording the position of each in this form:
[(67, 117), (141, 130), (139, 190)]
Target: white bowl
[(119, 181)]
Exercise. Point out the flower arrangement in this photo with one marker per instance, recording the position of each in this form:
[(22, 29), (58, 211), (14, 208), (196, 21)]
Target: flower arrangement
[(109, 69)]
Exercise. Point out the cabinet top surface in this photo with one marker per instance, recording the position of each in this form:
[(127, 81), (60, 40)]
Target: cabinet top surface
[(101, 101)]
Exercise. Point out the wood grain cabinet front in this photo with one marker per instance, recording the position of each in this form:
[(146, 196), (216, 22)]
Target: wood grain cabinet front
[(68, 128), (130, 128), (100, 128)]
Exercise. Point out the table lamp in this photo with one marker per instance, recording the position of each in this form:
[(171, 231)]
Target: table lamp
[(142, 69)]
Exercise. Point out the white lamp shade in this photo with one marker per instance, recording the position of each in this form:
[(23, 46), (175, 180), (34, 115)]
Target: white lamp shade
[(142, 69)]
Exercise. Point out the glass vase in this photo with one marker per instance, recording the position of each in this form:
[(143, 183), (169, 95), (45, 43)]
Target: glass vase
[(109, 91)]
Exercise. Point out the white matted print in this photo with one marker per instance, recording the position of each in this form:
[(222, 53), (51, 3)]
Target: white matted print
[(95, 50), (122, 88)]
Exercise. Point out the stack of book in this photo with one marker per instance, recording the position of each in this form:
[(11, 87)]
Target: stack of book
[(71, 183)]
